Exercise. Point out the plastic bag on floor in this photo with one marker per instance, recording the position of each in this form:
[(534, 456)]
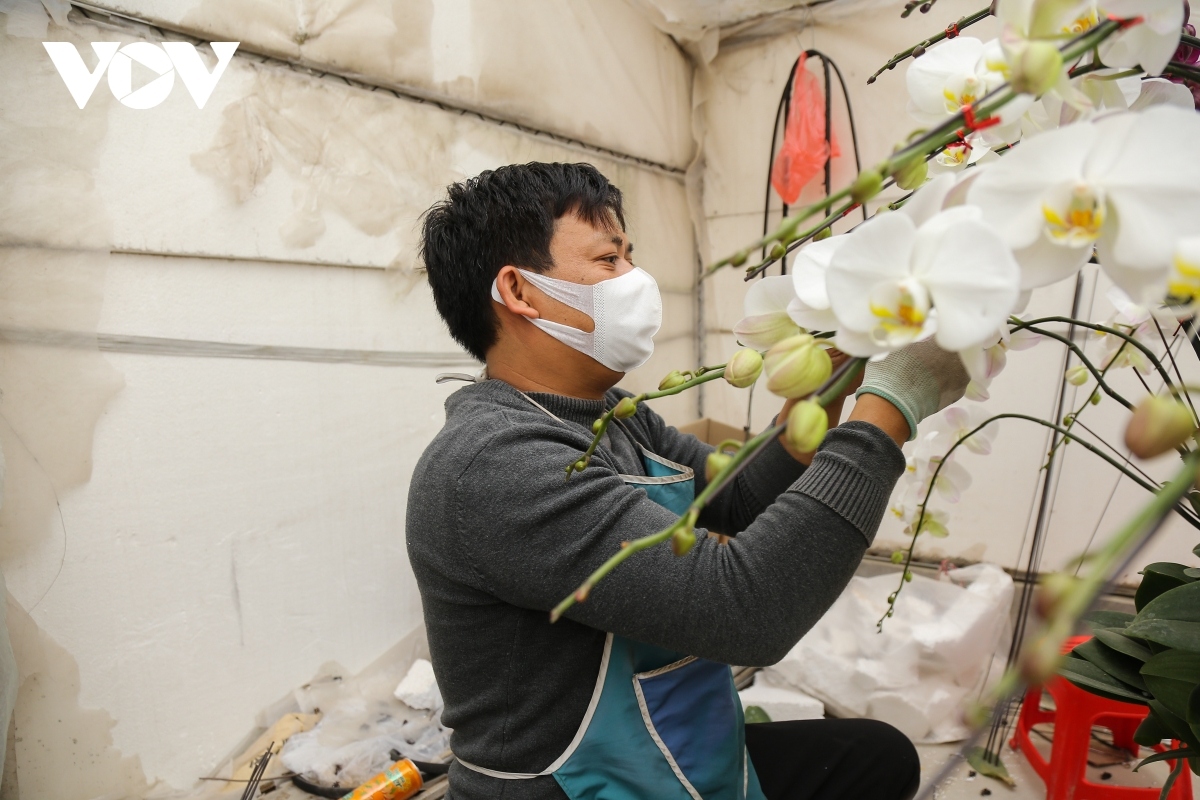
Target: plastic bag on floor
[(932, 656)]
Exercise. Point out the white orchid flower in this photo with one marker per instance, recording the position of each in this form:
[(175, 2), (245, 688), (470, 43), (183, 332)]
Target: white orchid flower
[(957, 422), (1139, 321), (766, 321), (1184, 281), (954, 74), (1105, 184), (888, 277), (1148, 44), (985, 362), (810, 307), (1151, 43), (929, 458)]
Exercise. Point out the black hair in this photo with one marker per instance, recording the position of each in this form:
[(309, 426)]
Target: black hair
[(500, 217)]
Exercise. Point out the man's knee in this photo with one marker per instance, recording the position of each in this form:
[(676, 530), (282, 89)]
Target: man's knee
[(895, 755)]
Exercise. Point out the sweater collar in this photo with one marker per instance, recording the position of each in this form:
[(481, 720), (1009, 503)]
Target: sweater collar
[(570, 409)]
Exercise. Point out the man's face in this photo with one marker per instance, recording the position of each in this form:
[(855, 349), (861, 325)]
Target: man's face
[(587, 255)]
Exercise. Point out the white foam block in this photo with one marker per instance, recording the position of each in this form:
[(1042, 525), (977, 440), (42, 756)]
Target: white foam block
[(419, 689), (782, 705)]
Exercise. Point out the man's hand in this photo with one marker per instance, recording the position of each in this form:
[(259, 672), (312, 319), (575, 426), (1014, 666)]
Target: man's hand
[(833, 411)]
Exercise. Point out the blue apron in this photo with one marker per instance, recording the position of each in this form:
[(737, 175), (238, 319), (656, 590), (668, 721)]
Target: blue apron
[(660, 725)]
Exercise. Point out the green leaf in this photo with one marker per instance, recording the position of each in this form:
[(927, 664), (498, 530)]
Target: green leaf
[(1157, 578), (982, 763), (1166, 755), (1171, 676), (1196, 551), (1120, 642), (1108, 619), (1178, 727), (1193, 712), (1152, 731), (1169, 632), (1120, 666), (1181, 602), (1089, 677), (1192, 572), (755, 714)]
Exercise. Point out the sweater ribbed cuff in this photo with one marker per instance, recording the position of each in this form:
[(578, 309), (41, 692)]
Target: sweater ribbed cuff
[(853, 474)]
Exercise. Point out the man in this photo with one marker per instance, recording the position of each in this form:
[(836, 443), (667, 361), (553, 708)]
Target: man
[(629, 695)]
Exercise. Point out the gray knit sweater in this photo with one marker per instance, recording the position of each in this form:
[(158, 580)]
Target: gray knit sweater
[(497, 537)]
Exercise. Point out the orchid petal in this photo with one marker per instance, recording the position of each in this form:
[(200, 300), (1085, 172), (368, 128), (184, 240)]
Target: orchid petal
[(1149, 44), (971, 274), (1044, 262), (879, 251), (1159, 91), (808, 271), (812, 319), (762, 331), (1010, 191), (927, 76), (1152, 186), (768, 295), (928, 200), (859, 345)]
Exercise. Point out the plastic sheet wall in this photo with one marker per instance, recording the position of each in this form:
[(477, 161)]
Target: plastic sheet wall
[(217, 353), (737, 96)]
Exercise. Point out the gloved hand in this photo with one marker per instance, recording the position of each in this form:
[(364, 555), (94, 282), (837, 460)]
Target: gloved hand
[(919, 380)]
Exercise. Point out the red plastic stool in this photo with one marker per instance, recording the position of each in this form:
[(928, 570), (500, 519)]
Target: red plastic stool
[(1076, 712)]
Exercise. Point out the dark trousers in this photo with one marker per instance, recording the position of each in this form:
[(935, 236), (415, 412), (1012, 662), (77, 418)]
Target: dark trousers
[(833, 759)]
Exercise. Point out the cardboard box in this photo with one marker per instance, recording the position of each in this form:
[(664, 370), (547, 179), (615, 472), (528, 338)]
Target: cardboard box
[(711, 431)]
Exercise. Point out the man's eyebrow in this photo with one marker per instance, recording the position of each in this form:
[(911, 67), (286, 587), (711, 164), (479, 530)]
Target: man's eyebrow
[(620, 240)]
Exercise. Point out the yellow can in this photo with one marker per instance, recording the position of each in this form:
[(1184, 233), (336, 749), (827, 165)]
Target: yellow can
[(400, 781)]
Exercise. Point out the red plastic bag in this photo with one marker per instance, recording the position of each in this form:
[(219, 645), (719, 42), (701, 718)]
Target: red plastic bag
[(804, 151)]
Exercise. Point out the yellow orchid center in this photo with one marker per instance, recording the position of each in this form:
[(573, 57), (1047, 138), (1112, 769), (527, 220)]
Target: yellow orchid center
[(901, 310), (1077, 222), (954, 154), (956, 96), (1083, 23), (1184, 282)]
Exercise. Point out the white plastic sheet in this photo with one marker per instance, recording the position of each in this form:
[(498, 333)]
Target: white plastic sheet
[(935, 653)]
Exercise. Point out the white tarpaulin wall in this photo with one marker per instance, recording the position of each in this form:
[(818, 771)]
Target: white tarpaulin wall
[(217, 352), (187, 535)]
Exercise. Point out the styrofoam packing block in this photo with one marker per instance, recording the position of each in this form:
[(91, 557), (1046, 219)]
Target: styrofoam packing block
[(782, 705), (419, 688)]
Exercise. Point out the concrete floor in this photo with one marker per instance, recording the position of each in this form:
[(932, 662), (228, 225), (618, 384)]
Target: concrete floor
[(963, 783)]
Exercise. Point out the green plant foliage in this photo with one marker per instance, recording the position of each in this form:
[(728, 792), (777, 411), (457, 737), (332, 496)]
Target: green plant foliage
[(1118, 665), (1122, 643), (1157, 578), (1092, 678), (1152, 731)]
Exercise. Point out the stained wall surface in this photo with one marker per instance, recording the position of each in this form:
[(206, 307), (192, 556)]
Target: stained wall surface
[(217, 352), (738, 94)]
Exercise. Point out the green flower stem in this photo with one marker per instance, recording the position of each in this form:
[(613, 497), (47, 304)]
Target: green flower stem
[(1182, 71), (1064, 432), (1098, 374), (824, 224), (1041, 655), (825, 395), (1019, 324), (702, 375), (964, 22), (789, 224), (1189, 40)]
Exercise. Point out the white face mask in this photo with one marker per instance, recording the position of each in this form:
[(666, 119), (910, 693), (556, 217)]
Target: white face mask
[(627, 311)]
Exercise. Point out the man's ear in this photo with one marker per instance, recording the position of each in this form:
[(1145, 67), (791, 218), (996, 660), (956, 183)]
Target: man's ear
[(514, 292)]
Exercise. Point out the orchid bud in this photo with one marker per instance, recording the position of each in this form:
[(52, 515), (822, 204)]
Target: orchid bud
[(1051, 591), (807, 425), (626, 408), (787, 231), (868, 184), (797, 366), (912, 175), (739, 258), (744, 368), (598, 425), (1095, 398), (1077, 375), (1159, 423), (715, 462), (683, 540), (673, 379), (1036, 68), (764, 330), (778, 251), (897, 556), (822, 234)]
